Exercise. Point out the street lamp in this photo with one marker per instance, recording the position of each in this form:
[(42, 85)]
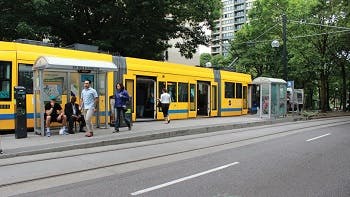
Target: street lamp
[(275, 44)]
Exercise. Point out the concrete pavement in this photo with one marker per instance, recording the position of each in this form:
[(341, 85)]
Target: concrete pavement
[(141, 131)]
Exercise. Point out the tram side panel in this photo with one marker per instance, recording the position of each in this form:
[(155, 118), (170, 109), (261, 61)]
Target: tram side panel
[(21, 58), (180, 81), (234, 93)]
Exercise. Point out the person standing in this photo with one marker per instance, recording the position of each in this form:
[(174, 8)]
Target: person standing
[(89, 101), (120, 98), (165, 100)]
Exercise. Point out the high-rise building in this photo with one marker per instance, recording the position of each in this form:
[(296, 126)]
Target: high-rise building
[(234, 16)]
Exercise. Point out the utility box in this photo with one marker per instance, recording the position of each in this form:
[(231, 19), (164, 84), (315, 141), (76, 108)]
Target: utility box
[(20, 112)]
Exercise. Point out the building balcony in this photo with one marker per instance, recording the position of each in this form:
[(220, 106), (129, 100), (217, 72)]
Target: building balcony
[(239, 22), (237, 2)]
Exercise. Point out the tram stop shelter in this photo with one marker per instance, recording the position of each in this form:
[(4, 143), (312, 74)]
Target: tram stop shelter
[(63, 78), (273, 93)]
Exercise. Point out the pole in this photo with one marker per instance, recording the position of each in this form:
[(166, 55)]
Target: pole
[(284, 51)]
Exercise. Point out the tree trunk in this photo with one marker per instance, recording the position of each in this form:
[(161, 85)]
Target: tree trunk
[(323, 92), (343, 73)]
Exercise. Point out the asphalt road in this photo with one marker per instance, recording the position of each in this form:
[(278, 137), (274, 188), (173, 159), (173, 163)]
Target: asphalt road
[(312, 163)]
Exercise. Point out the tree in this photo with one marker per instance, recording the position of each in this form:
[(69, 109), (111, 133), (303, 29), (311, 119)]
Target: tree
[(129, 27), (313, 47), (204, 58)]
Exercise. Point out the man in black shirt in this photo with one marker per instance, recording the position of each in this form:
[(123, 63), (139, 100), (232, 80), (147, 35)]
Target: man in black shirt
[(54, 113)]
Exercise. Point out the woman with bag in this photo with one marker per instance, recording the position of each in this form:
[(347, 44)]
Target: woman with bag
[(120, 98), (165, 101)]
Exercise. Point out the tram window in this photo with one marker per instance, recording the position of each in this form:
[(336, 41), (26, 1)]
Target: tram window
[(229, 90), (5, 80), (172, 91), (183, 92), (25, 77), (193, 97), (238, 90), (161, 85)]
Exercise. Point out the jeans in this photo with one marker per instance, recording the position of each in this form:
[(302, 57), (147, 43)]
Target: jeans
[(120, 111)]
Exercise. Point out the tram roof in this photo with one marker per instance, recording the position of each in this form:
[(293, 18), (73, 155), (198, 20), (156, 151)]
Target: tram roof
[(48, 62)]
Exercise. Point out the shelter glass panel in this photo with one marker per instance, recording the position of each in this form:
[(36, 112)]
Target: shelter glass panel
[(283, 100), (274, 99), (265, 95), (55, 84)]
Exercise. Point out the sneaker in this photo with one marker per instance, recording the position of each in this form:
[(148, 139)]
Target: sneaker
[(129, 127), (62, 131), (48, 133), (116, 131)]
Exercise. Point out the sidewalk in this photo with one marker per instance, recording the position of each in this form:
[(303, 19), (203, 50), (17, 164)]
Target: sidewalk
[(141, 131)]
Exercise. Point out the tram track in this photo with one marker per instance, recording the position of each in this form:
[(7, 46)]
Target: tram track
[(322, 123), (160, 141)]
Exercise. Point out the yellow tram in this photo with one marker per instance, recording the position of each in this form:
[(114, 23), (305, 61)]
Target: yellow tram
[(195, 91)]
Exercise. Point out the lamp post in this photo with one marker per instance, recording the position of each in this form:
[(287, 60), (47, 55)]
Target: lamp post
[(284, 50), (275, 44)]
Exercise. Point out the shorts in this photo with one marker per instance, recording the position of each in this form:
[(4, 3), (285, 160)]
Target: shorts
[(54, 119)]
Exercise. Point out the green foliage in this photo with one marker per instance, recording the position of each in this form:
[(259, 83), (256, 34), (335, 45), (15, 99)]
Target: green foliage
[(314, 60), (129, 27), (204, 58)]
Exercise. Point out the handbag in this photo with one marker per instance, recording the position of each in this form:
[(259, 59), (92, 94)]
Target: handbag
[(159, 104)]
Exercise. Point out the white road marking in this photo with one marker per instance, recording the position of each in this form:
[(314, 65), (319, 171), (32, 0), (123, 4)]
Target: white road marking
[(182, 179), (318, 137)]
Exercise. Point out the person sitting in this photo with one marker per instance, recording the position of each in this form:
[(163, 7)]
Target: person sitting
[(73, 113), (54, 113)]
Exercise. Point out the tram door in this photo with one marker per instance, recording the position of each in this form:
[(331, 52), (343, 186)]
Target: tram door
[(203, 98), (145, 98), (253, 98)]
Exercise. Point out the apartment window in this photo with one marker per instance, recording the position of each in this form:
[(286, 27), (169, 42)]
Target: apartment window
[(5, 80)]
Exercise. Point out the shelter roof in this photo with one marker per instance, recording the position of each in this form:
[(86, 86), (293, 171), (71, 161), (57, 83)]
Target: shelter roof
[(267, 80), (48, 62)]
